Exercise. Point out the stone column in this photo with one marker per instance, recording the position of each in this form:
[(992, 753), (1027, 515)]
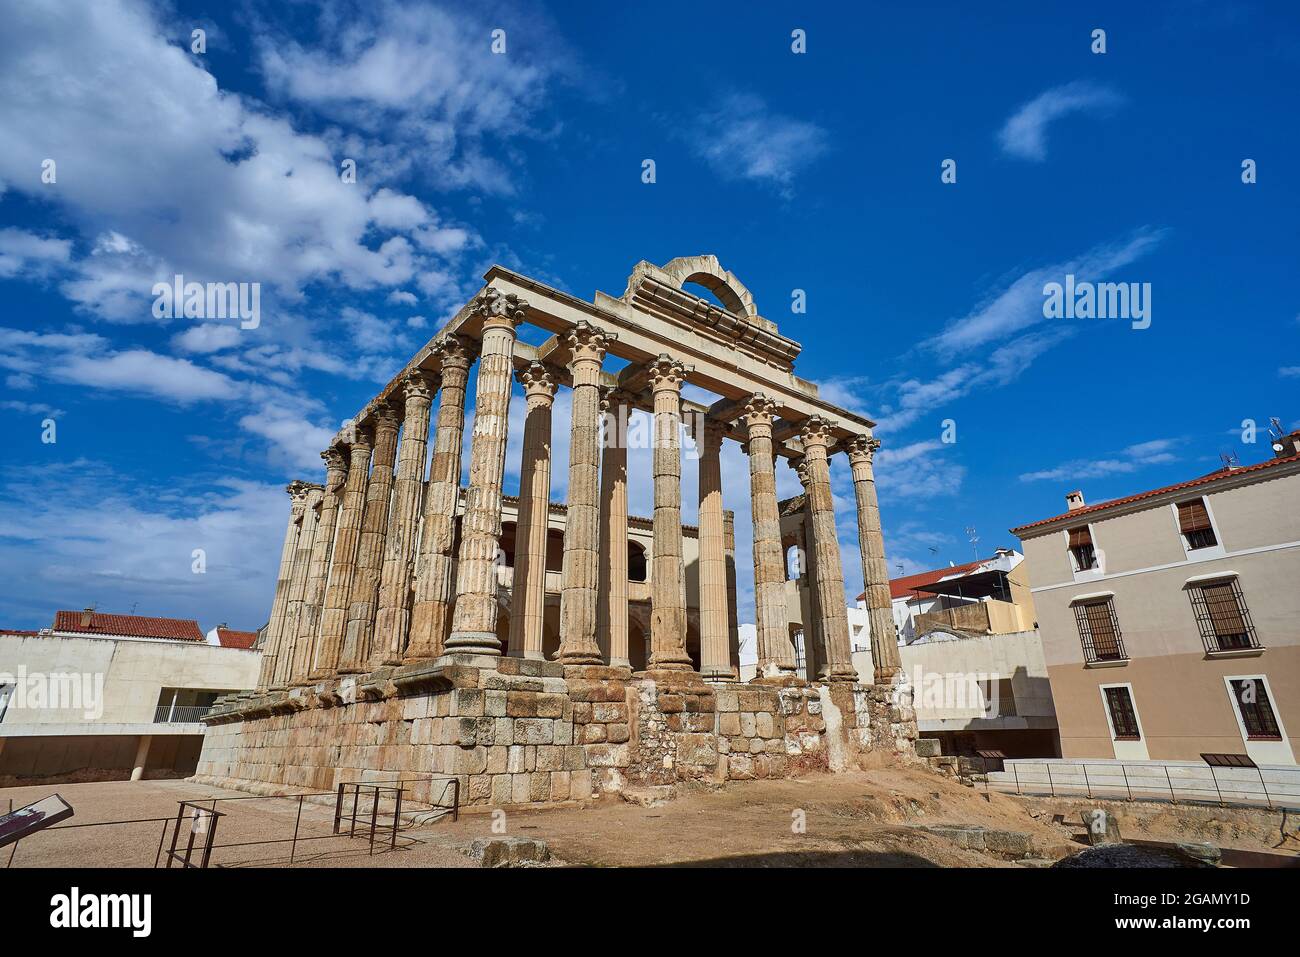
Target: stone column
[(814, 639), (611, 588), (394, 616), (298, 588), (771, 622), (322, 548), (355, 656), (816, 436), (582, 525), (715, 662), (528, 595), (280, 605), (141, 756), (668, 569), (343, 569), (474, 621), (317, 568), (875, 573), (733, 618), (431, 608)]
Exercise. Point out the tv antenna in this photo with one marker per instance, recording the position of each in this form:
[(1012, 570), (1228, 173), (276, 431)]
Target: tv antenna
[(974, 540)]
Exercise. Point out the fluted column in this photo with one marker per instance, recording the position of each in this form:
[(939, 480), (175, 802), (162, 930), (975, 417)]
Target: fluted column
[(322, 548), (611, 588), (431, 607), (474, 621), (814, 639), (279, 605), (355, 656), (394, 616), (582, 524), (714, 660), (771, 622), (528, 595), (816, 437), (298, 587), (343, 570), (875, 573), (668, 569), (733, 617)]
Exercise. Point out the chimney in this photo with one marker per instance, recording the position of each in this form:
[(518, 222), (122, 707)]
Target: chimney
[(1287, 445), (1074, 500), (86, 615)]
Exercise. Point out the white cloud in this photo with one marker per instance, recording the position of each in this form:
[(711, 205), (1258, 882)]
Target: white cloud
[(400, 297), (147, 373), (22, 251), (208, 337), (1024, 135), (1132, 459), (742, 139)]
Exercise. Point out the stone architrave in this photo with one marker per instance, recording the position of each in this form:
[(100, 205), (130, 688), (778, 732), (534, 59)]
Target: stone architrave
[(528, 593), (816, 435), (668, 567), (433, 599), (875, 573), (393, 619), (578, 646), (474, 620), (771, 622)]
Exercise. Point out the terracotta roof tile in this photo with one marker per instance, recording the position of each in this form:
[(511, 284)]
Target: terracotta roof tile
[(1191, 483), (902, 587), (133, 626), (229, 638)]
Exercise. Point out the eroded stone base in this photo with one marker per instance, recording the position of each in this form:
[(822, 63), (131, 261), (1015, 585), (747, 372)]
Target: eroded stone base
[(521, 731)]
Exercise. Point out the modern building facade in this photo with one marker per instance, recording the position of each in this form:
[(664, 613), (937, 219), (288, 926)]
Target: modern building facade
[(104, 697), (1171, 618)]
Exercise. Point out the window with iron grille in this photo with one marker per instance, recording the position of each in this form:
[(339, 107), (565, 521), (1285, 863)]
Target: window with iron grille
[(1222, 616), (1194, 523), (1256, 710), (1081, 547), (1123, 717), (1099, 631)]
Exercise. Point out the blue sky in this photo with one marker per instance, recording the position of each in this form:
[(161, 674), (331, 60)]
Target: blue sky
[(817, 171)]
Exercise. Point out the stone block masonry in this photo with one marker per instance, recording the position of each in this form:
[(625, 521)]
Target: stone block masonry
[(523, 731)]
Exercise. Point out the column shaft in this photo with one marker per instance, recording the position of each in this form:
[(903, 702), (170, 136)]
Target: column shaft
[(279, 605), (528, 594), (298, 587), (771, 622), (611, 589), (582, 524), (875, 572), (393, 618), (343, 570), (322, 548), (474, 621), (668, 568), (714, 658), (733, 618), (432, 603), (814, 638), (816, 436)]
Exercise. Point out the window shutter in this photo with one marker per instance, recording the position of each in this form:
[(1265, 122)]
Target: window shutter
[(1192, 516), (1080, 536), (1102, 629), (1225, 613)]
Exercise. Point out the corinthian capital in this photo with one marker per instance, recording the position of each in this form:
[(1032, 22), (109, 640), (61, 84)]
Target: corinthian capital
[(589, 342), (418, 385), (801, 469), (498, 308), (758, 410), (385, 417), (298, 493), (666, 373), (539, 382), (816, 432), (861, 448), (455, 353)]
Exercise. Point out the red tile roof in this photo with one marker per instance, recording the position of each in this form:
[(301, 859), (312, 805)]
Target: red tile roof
[(20, 633), (228, 638), (902, 587), (1192, 483), (133, 626)]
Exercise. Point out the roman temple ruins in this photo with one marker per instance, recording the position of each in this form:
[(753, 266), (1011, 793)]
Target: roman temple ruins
[(542, 652)]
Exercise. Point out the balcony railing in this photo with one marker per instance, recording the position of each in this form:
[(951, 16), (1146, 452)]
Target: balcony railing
[(180, 714)]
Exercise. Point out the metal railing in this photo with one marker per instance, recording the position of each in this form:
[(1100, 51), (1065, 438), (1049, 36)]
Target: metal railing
[(180, 713)]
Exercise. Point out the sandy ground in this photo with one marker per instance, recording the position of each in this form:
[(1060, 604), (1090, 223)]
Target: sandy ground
[(864, 819)]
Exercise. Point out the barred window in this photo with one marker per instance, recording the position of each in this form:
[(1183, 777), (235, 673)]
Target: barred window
[(1256, 710), (1222, 615), (1081, 547), (1099, 631), (1194, 523), (1123, 717)]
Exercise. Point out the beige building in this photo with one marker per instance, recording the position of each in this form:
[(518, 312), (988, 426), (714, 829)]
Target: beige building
[(102, 697), (1169, 618)]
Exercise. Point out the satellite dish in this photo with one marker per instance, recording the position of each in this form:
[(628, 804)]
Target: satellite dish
[(1277, 446)]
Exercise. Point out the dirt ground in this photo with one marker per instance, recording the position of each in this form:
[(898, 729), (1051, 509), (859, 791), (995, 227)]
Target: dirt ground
[(863, 819)]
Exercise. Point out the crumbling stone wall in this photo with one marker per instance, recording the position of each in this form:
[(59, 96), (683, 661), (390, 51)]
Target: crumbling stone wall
[(518, 731)]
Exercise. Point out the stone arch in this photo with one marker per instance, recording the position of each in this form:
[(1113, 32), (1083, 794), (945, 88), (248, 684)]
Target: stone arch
[(708, 272)]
